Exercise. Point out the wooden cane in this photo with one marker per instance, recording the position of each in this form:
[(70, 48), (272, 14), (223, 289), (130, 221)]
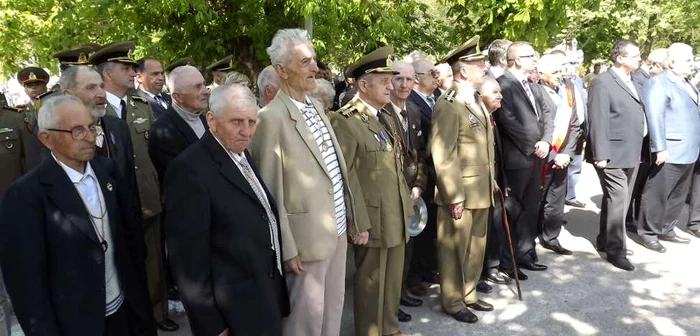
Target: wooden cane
[(504, 217)]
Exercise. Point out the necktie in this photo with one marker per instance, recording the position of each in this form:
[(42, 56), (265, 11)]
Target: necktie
[(530, 96), (122, 103), (404, 120), (249, 175), (431, 100), (161, 101)]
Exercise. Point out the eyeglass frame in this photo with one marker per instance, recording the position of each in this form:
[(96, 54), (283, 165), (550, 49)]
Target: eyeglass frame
[(92, 128), (433, 72)]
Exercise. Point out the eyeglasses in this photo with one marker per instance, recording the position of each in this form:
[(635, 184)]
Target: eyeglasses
[(433, 73), (78, 132), (635, 57), (527, 56)]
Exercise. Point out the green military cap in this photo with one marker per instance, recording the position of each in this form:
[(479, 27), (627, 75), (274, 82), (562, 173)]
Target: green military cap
[(378, 61), (32, 74), (76, 56), (225, 64), (114, 52), (179, 63), (467, 52)]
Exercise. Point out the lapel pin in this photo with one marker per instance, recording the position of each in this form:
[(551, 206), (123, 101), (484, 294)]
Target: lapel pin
[(109, 187)]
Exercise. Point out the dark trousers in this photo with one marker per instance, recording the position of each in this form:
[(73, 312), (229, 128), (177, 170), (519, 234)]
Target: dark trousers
[(694, 201), (617, 185), (495, 240), (423, 264), (636, 200), (664, 193), (525, 186), (552, 206), (124, 322)]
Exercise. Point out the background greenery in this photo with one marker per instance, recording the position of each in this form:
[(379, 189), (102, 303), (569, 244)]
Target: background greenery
[(207, 30)]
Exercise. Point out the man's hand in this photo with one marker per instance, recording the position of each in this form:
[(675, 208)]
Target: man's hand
[(601, 164), (541, 149), (293, 266), (359, 238), (224, 333), (415, 193), (561, 161), (661, 157), (456, 210)]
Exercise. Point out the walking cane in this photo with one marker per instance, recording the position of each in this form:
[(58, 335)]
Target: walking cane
[(504, 217)]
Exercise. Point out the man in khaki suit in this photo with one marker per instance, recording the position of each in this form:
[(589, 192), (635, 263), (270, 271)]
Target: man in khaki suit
[(463, 153), (299, 159), (114, 63), (376, 179)]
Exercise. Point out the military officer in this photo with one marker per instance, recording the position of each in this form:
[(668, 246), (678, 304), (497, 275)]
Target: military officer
[(75, 56), (34, 80), (14, 134), (463, 152), (219, 69), (383, 204), (116, 65)]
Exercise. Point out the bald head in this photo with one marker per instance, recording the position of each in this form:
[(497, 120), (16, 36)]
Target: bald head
[(188, 89), (491, 94), (680, 59), (426, 76)]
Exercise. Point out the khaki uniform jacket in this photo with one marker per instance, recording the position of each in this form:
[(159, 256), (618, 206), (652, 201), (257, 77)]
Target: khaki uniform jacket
[(463, 150), (139, 118), (293, 169), (14, 136), (376, 174)]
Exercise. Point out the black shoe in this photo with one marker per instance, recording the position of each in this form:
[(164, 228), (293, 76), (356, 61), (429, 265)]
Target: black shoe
[(575, 203), (556, 248), (531, 266), (655, 246), (627, 252), (404, 317), (480, 305), (173, 294), (695, 233), (168, 325), (674, 239), (622, 263), (465, 316), (408, 301), (483, 287), (521, 276), (498, 277)]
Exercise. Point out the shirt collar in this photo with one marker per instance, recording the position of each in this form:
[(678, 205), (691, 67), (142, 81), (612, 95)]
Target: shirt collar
[(301, 106), (519, 75), (153, 96), (621, 74), (371, 108), (237, 157), (115, 101), (187, 115), (423, 95), (398, 109), (74, 175)]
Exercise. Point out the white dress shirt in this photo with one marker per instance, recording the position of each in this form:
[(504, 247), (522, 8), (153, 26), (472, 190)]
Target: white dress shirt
[(116, 103)]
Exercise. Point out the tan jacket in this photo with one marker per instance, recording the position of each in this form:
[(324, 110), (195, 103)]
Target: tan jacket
[(376, 174), (463, 150), (139, 118), (290, 163)]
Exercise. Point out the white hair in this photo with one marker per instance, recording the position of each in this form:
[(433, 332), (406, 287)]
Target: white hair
[(47, 118), (283, 40), (267, 76), (550, 62), (235, 95), (173, 81), (677, 50), (658, 55), (235, 77), (324, 92), (67, 81)]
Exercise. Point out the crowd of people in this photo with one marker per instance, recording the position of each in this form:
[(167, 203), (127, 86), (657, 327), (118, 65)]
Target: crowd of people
[(129, 184)]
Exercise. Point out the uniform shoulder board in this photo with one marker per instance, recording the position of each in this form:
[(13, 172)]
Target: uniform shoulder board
[(45, 94), (450, 96), (347, 111), (139, 98), (10, 108)]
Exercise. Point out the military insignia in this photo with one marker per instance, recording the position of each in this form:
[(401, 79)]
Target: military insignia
[(130, 54), (389, 61), (5, 130), (420, 133), (131, 102), (82, 58), (140, 121), (376, 137), (90, 54), (473, 121), (413, 126), (231, 64), (109, 187), (32, 76), (9, 145), (139, 98), (28, 125), (451, 96), (145, 135), (364, 117)]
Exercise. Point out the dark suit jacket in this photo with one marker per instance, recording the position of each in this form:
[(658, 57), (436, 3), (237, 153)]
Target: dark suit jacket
[(426, 112), (414, 145), (640, 77), (158, 109), (615, 122), (219, 243), (52, 260), (518, 125), (570, 143), (169, 136)]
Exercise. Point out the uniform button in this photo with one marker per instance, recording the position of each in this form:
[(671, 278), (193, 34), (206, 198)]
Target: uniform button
[(136, 167)]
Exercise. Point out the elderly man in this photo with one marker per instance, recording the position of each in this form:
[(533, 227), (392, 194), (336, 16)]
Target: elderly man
[(654, 64), (560, 100), (673, 115), (72, 249), (268, 85), (183, 123), (405, 117), (381, 193), (299, 158), (445, 77), (498, 57), (219, 69), (222, 227), (616, 129), (525, 129), (462, 149), (151, 78)]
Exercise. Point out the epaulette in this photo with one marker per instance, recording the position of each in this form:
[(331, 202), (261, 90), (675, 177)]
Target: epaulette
[(10, 108), (348, 111), (450, 96), (139, 98), (43, 95)]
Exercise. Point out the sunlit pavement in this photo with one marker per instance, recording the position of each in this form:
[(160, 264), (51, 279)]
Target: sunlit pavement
[(578, 295)]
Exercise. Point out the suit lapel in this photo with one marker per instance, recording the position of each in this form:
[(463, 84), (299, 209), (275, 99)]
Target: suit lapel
[(107, 185), (303, 128), (521, 89), (422, 105), (682, 86), (398, 127), (182, 127), (621, 83), (228, 168), (66, 197)]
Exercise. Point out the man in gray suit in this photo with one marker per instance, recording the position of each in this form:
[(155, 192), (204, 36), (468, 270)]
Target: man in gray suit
[(672, 109), (617, 126)]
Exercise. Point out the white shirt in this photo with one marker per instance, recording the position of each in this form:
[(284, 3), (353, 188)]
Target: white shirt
[(116, 103), (627, 79), (371, 108), (192, 119)]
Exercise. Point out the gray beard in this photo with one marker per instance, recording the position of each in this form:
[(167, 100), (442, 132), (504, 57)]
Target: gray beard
[(99, 112)]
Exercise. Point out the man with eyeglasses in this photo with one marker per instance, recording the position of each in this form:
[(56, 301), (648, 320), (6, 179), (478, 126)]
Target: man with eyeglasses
[(671, 103), (525, 128), (72, 253), (616, 129)]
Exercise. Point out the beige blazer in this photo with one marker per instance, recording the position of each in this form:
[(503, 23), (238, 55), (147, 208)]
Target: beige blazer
[(290, 163)]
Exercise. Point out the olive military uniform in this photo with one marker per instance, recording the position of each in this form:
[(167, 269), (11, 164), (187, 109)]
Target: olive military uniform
[(383, 208), (14, 136)]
